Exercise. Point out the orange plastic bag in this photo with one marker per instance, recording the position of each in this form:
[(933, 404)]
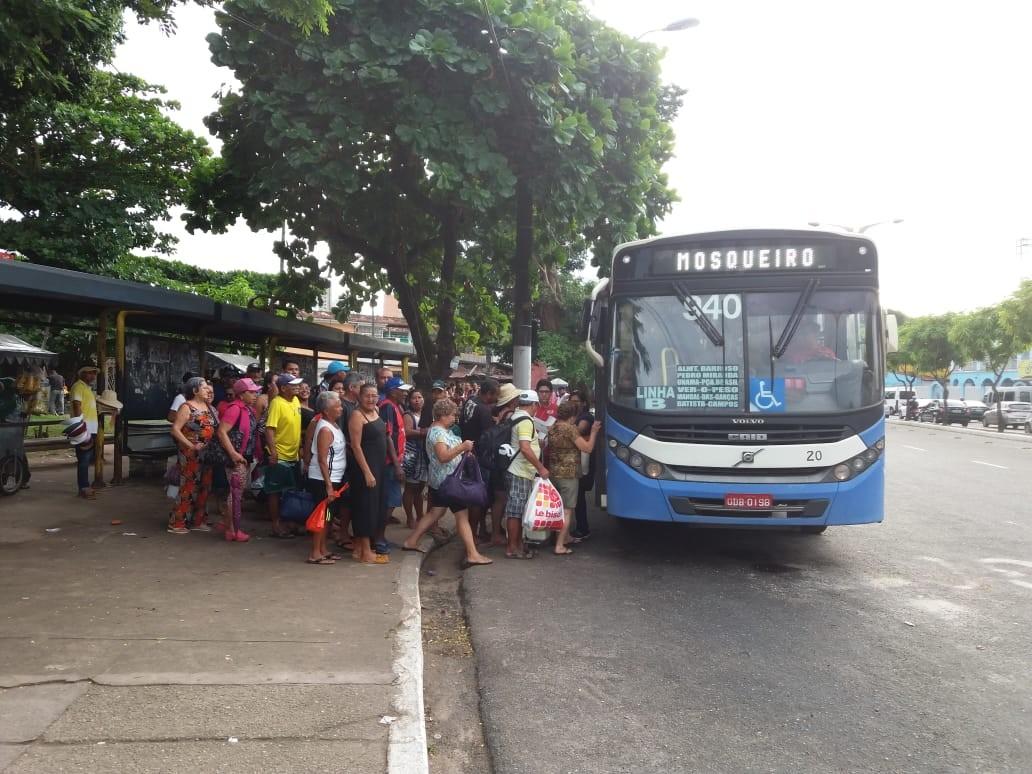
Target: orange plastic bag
[(320, 515)]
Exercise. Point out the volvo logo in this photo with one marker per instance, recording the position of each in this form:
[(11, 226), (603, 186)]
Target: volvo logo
[(747, 436), (748, 421), (748, 458)]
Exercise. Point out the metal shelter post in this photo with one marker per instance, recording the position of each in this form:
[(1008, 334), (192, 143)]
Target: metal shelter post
[(98, 442)]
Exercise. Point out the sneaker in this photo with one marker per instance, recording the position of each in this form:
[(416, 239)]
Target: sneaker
[(178, 531), (230, 535), (240, 536), (200, 528)]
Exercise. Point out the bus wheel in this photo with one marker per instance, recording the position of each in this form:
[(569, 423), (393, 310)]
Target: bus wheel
[(813, 530)]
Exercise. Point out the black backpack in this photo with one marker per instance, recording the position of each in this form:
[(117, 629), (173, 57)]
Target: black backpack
[(494, 450)]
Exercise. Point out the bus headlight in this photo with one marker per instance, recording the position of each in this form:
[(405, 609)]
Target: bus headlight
[(637, 460), (858, 464)]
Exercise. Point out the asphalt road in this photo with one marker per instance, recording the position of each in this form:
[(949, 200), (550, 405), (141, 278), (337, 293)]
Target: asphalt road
[(901, 647)]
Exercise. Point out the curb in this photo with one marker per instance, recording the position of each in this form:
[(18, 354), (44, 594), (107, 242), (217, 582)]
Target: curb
[(406, 740), (1016, 437)]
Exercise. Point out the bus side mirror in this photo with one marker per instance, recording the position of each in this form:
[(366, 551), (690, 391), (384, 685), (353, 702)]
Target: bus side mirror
[(891, 334), (591, 323)]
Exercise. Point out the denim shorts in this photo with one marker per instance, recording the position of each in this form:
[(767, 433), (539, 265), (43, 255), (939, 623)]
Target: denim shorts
[(392, 487)]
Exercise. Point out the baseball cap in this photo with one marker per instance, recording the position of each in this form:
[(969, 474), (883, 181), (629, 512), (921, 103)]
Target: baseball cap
[(527, 397), (245, 385), (439, 385), (337, 367), (254, 367), (286, 380), (396, 383)]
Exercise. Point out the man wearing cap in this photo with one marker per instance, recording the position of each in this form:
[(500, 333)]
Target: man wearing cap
[(394, 476), (522, 470), (283, 439), (84, 404), (254, 373), (335, 372)]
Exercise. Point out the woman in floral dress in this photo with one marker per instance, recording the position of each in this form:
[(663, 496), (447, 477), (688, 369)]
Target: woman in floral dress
[(193, 429)]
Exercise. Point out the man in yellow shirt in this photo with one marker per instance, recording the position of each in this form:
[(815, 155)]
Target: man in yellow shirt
[(525, 466), (283, 438), (84, 404)]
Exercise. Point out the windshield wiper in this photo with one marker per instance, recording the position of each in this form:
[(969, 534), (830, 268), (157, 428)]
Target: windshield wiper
[(692, 305), (793, 322)]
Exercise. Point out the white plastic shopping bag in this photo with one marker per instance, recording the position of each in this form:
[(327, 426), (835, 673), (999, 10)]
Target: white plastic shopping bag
[(544, 509)]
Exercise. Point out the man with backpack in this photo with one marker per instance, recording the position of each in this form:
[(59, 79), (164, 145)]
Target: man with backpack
[(494, 453), (475, 418), (524, 467)]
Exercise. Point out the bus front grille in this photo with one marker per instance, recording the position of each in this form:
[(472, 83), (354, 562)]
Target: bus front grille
[(734, 435)]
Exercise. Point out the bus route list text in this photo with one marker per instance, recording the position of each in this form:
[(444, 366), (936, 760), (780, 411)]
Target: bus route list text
[(698, 386)]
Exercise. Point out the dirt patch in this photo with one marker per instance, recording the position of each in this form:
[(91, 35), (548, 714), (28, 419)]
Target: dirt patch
[(454, 733)]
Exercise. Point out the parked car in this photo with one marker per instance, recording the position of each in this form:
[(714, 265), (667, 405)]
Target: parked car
[(1014, 414), (976, 408), (957, 412)]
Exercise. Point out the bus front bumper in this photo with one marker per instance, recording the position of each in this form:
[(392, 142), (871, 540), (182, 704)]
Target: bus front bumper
[(630, 495)]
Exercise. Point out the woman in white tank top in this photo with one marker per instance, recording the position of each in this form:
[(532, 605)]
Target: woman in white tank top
[(326, 470)]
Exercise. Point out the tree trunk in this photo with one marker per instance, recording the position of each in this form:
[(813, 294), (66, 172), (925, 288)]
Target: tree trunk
[(408, 302), (522, 258), (1001, 424), (447, 299), (945, 418)]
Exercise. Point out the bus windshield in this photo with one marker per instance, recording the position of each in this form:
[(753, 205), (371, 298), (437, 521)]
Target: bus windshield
[(666, 359)]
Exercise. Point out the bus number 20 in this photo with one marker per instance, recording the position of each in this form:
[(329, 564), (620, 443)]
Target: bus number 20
[(814, 456)]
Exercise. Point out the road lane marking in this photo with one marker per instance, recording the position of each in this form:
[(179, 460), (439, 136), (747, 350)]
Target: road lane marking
[(915, 448), (990, 465)]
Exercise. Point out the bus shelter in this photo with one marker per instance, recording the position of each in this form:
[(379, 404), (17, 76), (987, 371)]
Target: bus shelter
[(150, 325)]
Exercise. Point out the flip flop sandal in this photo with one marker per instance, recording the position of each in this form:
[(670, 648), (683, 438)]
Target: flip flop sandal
[(334, 557), (466, 564), (325, 560), (380, 559), (516, 556), (417, 550), (563, 553)]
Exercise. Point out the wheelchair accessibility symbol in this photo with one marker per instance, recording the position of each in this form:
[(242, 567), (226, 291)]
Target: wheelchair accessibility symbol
[(767, 396)]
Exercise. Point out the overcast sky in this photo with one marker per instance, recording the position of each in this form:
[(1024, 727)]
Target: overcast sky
[(796, 111)]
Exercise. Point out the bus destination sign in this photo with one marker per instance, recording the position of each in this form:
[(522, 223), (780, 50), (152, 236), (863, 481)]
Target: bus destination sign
[(745, 260)]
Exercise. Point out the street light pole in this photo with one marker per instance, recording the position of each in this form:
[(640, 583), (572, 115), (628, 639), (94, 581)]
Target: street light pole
[(676, 26), (856, 229)]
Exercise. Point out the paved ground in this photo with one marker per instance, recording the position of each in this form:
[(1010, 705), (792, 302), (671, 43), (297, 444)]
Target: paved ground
[(901, 647), (128, 649)]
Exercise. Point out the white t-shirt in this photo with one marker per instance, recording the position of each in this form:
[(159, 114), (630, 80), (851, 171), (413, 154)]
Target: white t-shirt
[(338, 453), (177, 402)]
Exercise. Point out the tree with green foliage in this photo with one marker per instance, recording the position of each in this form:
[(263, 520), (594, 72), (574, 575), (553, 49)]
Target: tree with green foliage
[(89, 176), (903, 365), (987, 335), (935, 352), (401, 139)]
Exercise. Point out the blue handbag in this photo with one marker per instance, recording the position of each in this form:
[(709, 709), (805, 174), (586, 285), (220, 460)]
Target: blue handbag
[(296, 505), (464, 486)]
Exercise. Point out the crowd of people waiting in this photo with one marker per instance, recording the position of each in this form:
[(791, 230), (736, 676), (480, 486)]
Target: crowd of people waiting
[(367, 448)]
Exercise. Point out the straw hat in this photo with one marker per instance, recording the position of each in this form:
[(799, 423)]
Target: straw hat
[(109, 399), (507, 394)]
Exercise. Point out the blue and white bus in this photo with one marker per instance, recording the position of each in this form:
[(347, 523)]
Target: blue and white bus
[(740, 374)]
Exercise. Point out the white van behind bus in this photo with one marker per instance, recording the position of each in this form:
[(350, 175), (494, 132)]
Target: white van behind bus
[(896, 398)]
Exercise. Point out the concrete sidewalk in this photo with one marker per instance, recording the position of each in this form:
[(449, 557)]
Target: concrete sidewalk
[(125, 648)]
